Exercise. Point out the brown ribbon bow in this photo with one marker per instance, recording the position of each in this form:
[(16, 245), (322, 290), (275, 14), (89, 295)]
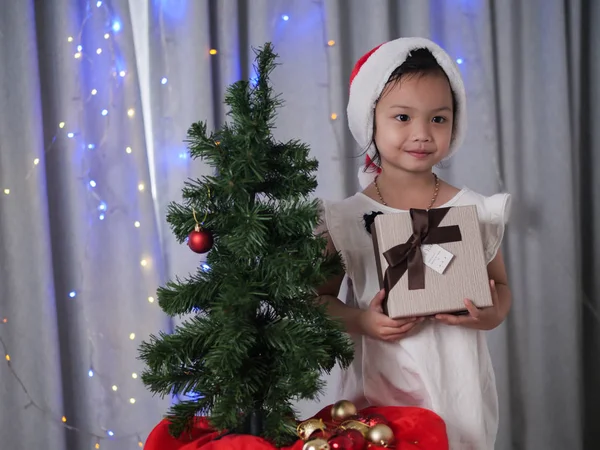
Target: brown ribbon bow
[(408, 256)]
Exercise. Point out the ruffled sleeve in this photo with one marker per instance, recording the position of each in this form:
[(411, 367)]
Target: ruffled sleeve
[(497, 210)]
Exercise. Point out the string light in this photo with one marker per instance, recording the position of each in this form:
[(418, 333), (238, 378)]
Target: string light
[(132, 337), (70, 39), (136, 224), (144, 263), (97, 446), (36, 161), (141, 187), (333, 116), (105, 112), (7, 191), (151, 299), (131, 112), (106, 36), (115, 388), (213, 51), (94, 91), (99, 51), (61, 125), (90, 373), (72, 294), (285, 17), (7, 357), (331, 43), (132, 400), (128, 150), (122, 73), (163, 80), (134, 375), (459, 61)]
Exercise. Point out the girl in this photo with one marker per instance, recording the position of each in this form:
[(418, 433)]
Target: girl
[(407, 107)]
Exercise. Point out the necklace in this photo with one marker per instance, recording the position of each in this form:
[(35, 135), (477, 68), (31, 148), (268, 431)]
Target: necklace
[(433, 199)]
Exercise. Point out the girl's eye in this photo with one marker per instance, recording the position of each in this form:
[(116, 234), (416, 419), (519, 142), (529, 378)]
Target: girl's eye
[(403, 118), (438, 119)]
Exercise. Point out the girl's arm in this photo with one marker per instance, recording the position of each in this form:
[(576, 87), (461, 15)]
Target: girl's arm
[(371, 322), (328, 293)]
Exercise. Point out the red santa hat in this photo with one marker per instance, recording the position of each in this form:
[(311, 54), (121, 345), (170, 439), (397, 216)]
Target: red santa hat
[(369, 77)]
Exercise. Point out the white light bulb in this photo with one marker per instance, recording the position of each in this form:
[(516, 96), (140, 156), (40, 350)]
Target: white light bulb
[(36, 161), (98, 51), (136, 224), (94, 91), (128, 150), (141, 186)]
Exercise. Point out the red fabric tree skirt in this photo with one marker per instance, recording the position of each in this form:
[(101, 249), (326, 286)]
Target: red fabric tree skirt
[(414, 428)]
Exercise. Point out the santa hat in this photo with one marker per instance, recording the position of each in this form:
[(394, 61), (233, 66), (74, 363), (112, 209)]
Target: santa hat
[(369, 77)]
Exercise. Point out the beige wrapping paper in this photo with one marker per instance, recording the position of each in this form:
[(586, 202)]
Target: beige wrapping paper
[(465, 277)]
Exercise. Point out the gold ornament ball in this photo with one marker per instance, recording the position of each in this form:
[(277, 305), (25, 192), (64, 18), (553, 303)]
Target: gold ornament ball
[(308, 427), (380, 434), (343, 410), (355, 425), (316, 444)]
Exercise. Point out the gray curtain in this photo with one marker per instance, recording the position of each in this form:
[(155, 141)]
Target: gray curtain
[(72, 287), (529, 69)]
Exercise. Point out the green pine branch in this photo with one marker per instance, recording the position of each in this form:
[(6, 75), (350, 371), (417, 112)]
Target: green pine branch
[(258, 339)]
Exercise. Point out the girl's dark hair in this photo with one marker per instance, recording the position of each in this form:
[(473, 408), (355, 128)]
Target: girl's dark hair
[(419, 63)]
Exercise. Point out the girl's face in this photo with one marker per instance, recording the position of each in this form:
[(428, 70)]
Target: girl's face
[(414, 123)]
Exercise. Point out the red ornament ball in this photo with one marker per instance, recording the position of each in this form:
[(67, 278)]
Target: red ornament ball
[(376, 419), (356, 437), (200, 241), (341, 442)]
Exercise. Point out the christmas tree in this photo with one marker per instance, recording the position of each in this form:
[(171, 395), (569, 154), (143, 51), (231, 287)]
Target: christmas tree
[(258, 338)]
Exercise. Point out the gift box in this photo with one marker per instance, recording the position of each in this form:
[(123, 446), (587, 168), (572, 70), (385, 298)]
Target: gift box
[(430, 261)]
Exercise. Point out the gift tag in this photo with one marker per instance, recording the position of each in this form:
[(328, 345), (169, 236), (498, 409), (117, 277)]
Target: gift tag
[(436, 257)]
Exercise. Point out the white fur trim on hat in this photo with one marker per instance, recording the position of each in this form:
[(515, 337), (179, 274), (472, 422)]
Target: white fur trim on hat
[(370, 76)]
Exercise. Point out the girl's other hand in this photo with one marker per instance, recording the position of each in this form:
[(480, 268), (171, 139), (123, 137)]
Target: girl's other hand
[(374, 323), (479, 319)]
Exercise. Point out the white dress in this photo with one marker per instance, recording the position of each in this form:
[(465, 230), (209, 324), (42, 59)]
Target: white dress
[(446, 369)]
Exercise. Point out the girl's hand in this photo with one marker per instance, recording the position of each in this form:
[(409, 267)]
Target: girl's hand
[(374, 323), (480, 319)]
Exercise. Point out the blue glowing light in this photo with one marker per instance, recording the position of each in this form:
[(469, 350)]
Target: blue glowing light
[(90, 373), (116, 26), (285, 17), (459, 60), (91, 146), (72, 294), (102, 206), (92, 183), (163, 81), (105, 112)]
